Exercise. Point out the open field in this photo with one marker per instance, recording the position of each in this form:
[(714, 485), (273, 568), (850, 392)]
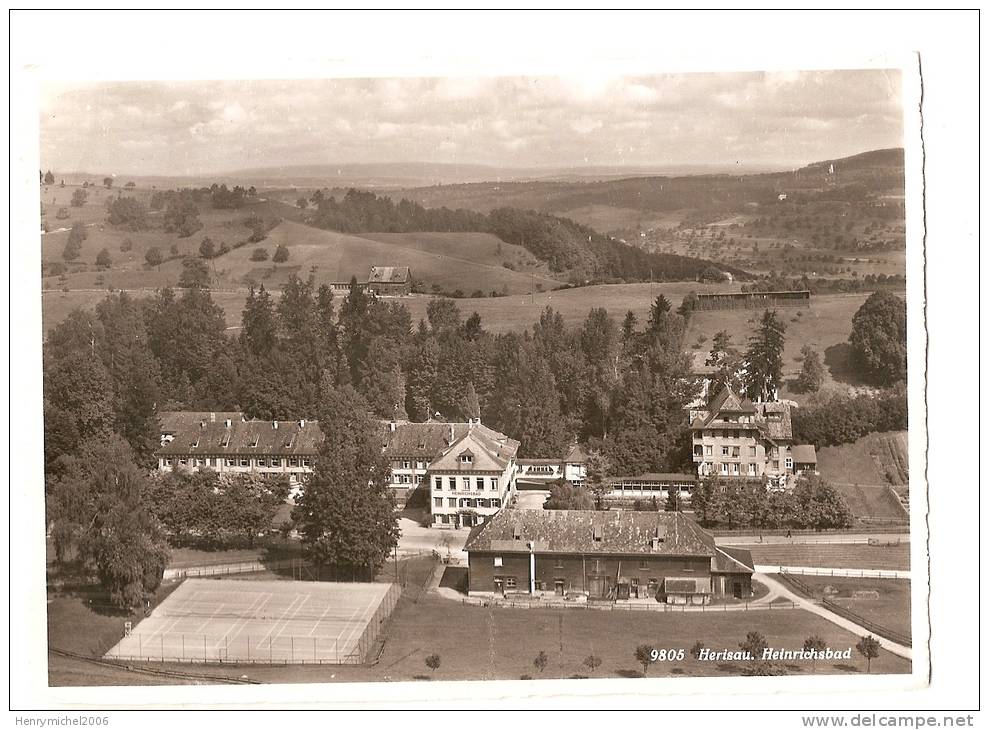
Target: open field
[(611, 218), (891, 609), (498, 314), (287, 622), (826, 324), (878, 458), (446, 261), (888, 557)]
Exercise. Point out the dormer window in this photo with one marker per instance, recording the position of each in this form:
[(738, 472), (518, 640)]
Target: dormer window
[(254, 443), (598, 534), (466, 458), (517, 533)]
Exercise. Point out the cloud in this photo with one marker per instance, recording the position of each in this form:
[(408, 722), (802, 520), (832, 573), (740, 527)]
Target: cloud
[(790, 118)]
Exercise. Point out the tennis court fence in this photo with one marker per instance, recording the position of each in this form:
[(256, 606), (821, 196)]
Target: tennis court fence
[(205, 648)]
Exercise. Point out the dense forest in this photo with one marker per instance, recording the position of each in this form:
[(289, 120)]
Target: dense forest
[(569, 248)]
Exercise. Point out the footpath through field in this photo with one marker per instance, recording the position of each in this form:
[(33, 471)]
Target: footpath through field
[(782, 591)]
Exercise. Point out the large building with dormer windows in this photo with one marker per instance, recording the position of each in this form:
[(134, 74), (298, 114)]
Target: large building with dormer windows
[(227, 442), (734, 437), (472, 478)]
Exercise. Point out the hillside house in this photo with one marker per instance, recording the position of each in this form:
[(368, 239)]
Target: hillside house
[(732, 436), (612, 555), (395, 281)]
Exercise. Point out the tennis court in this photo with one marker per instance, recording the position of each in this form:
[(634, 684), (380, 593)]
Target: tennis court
[(262, 622)]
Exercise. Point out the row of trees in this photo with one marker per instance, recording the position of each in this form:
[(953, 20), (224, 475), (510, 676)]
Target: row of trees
[(835, 419), (733, 503)]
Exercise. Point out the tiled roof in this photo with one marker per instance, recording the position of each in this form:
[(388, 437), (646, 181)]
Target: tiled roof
[(490, 451), (804, 454), (575, 455), (244, 438), (781, 429), (728, 400), (388, 275), (733, 560), (771, 419), (420, 439), (573, 531), (172, 421)]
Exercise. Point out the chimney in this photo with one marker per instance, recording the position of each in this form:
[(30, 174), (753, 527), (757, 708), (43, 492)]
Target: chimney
[(302, 423), (392, 426), (451, 433), (212, 418), (274, 425), (227, 423)]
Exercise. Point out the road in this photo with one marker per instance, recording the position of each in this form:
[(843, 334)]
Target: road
[(777, 589)]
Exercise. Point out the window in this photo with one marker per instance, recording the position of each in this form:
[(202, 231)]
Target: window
[(262, 462), (406, 464), (305, 462), (183, 462), (708, 450), (419, 478), (643, 565), (776, 465), (752, 451), (437, 501), (438, 484), (789, 462), (230, 462), (510, 582), (293, 462), (420, 465), (734, 469), (168, 462), (494, 484), (245, 462), (453, 484), (466, 458), (446, 519), (724, 468), (480, 483), (451, 502), (466, 484), (724, 451), (598, 535), (497, 562), (735, 452), (558, 563), (752, 470), (496, 503)]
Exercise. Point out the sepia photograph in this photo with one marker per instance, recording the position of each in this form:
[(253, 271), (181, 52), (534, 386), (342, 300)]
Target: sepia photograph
[(462, 377)]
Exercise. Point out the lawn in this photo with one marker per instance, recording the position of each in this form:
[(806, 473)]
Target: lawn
[(880, 557), (825, 326), (499, 643), (878, 458), (891, 609)]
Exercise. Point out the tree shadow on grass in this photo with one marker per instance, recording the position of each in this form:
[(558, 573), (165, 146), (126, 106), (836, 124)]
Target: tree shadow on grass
[(629, 673), (848, 668)]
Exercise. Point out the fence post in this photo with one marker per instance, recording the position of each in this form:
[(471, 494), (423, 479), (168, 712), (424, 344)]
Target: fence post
[(248, 647), (183, 647), (314, 649), (292, 644), (163, 647), (336, 648)]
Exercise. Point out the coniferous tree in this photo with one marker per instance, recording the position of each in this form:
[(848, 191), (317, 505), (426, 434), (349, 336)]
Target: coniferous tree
[(258, 327), (346, 510), (764, 359)]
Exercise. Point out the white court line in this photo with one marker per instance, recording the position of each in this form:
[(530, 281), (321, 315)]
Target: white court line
[(211, 617), (285, 619), (174, 623), (320, 619), (256, 605), (363, 624), (260, 643)]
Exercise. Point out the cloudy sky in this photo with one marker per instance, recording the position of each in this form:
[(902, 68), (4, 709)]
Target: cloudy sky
[(158, 128)]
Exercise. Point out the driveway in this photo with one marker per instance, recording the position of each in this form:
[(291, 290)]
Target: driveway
[(416, 539), (531, 498)]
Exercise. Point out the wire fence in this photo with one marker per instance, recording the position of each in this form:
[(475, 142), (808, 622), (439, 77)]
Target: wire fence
[(842, 572), (267, 648), (623, 606)]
